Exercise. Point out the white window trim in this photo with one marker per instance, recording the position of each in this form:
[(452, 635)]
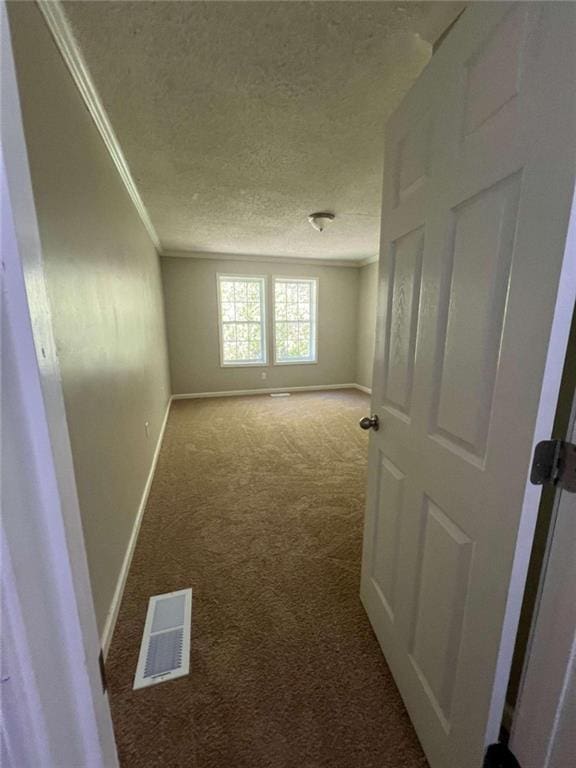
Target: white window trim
[(263, 321), (295, 279)]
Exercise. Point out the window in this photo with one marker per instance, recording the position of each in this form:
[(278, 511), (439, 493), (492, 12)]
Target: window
[(295, 320), (242, 320)]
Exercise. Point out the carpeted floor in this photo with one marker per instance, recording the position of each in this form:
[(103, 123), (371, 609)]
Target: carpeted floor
[(257, 504)]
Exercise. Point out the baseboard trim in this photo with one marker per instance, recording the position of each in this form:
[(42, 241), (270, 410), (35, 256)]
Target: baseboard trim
[(265, 391), (112, 616), (362, 388)]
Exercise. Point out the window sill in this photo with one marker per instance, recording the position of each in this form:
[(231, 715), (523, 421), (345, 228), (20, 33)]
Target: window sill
[(244, 365)]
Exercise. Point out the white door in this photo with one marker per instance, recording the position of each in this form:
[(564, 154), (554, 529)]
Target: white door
[(475, 297)]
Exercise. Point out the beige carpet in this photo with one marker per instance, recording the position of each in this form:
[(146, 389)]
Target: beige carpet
[(257, 504)]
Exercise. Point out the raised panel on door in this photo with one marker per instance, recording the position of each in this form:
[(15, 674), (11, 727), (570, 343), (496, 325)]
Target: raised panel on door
[(486, 95), (405, 267), (476, 294), (471, 319), (413, 159), (387, 521), (444, 559)]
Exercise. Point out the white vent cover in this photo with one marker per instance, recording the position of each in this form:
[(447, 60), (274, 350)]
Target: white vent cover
[(165, 648)]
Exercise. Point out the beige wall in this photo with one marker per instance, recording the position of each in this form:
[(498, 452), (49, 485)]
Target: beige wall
[(366, 323), (105, 290), (192, 325)]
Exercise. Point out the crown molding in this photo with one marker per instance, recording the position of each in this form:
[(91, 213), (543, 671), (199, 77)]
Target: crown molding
[(58, 24), (177, 254), (369, 260)]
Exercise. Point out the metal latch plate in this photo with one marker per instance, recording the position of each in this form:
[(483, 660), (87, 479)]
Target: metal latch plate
[(555, 464)]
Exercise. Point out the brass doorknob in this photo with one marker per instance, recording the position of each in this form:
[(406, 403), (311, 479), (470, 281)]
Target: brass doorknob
[(370, 422)]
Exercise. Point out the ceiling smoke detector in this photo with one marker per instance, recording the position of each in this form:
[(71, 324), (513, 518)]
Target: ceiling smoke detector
[(320, 220)]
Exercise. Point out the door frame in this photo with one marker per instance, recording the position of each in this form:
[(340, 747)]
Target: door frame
[(540, 733), (70, 716)]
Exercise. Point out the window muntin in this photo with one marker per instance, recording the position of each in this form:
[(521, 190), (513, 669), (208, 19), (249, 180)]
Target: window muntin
[(295, 320), (242, 314)]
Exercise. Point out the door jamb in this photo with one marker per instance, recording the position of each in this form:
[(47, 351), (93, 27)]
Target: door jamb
[(549, 668)]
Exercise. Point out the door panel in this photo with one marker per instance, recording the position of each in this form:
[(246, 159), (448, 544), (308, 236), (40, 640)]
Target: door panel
[(499, 54), (413, 157), (439, 610), (387, 525), (404, 293), (475, 289), (478, 262)]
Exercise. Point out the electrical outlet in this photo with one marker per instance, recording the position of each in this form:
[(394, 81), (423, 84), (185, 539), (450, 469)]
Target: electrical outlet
[(263, 375), (147, 428)]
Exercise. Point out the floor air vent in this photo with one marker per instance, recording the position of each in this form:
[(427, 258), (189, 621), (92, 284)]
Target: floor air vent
[(165, 649)]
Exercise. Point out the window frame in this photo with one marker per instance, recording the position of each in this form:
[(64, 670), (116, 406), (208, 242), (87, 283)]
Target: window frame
[(314, 307), (220, 276)]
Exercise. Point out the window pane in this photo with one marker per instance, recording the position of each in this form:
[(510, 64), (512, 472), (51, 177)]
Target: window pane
[(291, 292), (253, 332), (241, 332), (229, 351), (229, 332), (253, 349), (227, 291), (295, 320), (281, 332), (304, 293), (254, 292), (241, 311), (303, 311), (241, 320), (292, 311), (240, 291), (253, 311)]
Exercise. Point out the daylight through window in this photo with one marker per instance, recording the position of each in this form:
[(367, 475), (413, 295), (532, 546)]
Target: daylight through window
[(294, 320), (242, 320)]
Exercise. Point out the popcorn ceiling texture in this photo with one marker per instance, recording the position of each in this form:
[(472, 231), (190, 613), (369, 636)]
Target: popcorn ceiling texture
[(238, 119)]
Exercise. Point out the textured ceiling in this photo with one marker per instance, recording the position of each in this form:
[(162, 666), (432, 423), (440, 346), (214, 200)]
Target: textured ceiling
[(238, 119)]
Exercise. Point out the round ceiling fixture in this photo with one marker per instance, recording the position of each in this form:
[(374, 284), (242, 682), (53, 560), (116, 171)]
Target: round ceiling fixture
[(320, 220)]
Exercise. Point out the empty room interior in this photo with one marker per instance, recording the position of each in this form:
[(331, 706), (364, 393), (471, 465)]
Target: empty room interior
[(296, 284)]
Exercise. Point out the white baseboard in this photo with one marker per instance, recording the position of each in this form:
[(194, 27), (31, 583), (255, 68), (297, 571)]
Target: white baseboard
[(263, 391), (110, 623), (362, 388)]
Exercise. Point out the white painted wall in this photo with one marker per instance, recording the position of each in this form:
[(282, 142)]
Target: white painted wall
[(104, 287)]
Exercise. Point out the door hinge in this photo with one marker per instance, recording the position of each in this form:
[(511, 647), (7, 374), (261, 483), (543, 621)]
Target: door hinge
[(102, 668), (499, 756), (554, 464)]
